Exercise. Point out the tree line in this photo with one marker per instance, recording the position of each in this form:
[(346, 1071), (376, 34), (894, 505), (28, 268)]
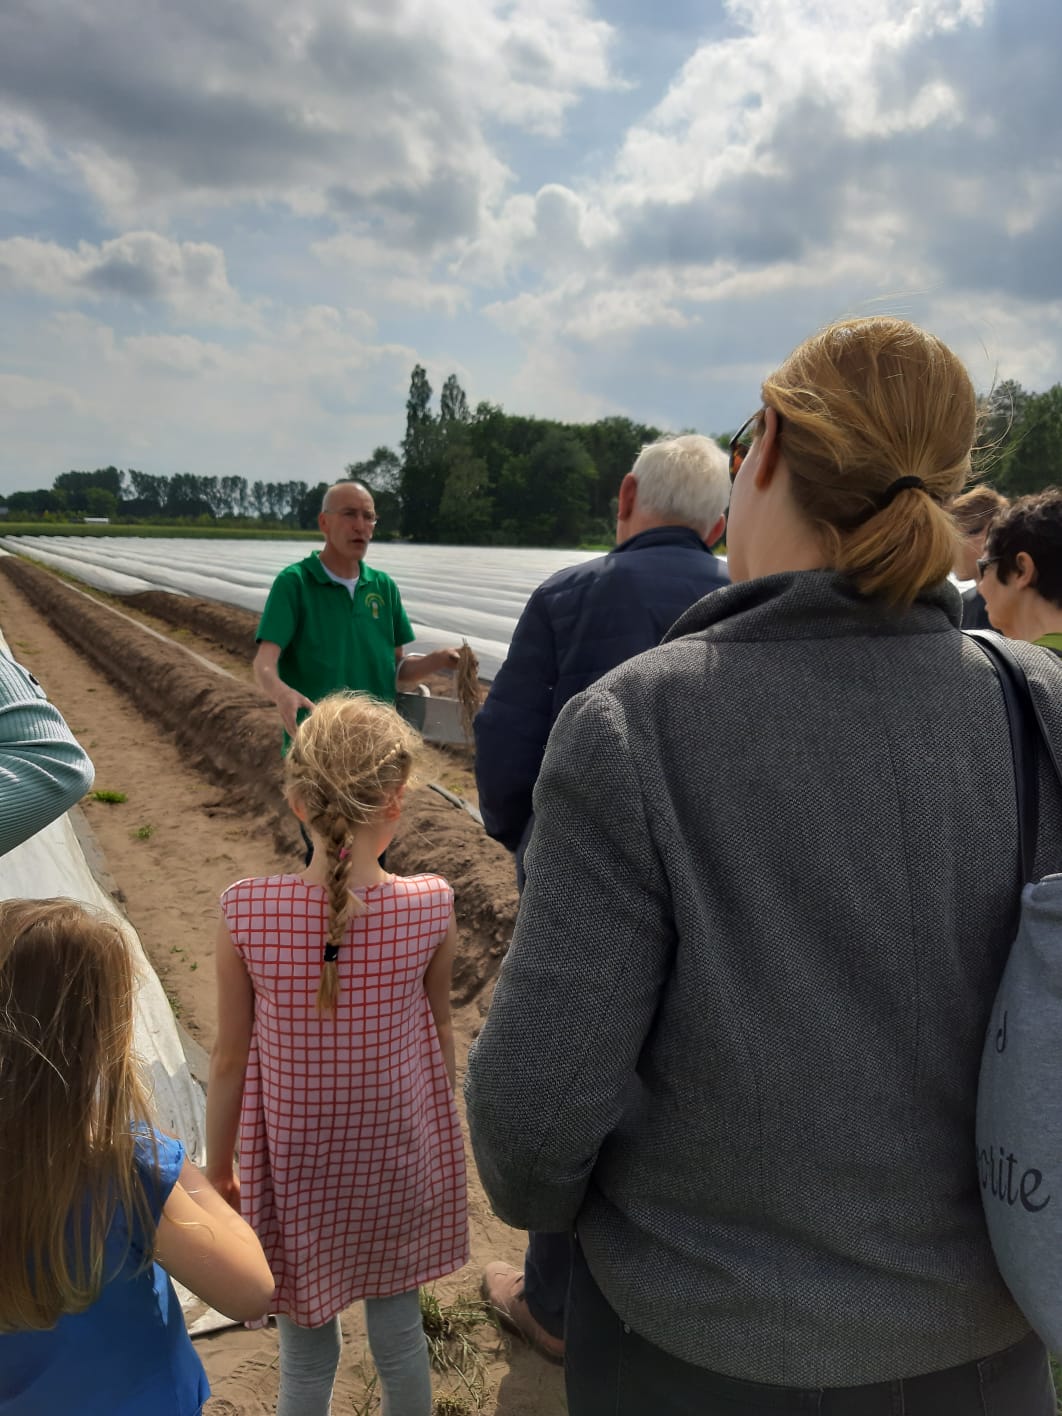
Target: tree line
[(1020, 445), (486, 477)]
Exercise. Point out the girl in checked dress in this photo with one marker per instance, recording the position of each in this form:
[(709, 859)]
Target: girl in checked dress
[(335, 1061)]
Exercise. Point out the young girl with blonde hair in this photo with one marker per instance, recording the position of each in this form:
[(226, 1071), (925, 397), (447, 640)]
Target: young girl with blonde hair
[(96, 1202), (335, 1062)]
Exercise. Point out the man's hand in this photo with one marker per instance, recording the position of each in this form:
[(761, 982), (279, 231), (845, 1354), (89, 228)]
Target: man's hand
[(418, 667), (290, 704)]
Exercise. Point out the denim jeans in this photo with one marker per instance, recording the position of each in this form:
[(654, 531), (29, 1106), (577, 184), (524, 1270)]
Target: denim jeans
[(309, 1358), (547, 1273), (611, 1371)]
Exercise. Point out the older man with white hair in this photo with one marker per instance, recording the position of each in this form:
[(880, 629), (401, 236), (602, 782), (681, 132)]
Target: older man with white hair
[(576, 626)]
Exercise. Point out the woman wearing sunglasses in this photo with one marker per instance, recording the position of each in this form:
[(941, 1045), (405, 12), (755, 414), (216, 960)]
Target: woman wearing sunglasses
[(771, 890)]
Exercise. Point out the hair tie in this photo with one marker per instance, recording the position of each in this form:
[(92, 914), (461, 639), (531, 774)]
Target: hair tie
[(893, 490), (331, 953)]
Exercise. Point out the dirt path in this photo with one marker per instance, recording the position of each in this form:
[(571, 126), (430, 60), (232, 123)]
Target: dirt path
[(179, 838)]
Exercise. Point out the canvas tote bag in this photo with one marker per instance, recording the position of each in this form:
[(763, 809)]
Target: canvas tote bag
[(1019, 1098)]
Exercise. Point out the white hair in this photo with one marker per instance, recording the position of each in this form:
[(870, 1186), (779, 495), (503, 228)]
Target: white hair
[(684, 480)]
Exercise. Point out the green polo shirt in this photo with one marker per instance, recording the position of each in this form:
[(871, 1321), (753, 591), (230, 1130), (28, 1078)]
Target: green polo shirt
[(1050, 641), (329, 641)]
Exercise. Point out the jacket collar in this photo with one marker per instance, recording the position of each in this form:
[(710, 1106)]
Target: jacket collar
[(661, 536), (813, 604)]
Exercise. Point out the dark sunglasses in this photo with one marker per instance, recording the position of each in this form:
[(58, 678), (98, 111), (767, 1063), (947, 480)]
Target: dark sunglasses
[(742, 440), (984, 563)]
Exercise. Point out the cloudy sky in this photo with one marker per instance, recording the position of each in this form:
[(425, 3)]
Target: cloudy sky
[(228, 230)]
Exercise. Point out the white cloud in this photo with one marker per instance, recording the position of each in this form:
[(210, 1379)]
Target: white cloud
[(334, 189), (389, 276), (298, 401), (325, 107), (189, 277), (19, 394)]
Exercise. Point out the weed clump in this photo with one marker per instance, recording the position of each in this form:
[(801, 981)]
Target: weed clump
[(451, 1330)]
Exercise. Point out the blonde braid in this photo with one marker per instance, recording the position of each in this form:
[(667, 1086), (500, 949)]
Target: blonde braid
[(335, 829)]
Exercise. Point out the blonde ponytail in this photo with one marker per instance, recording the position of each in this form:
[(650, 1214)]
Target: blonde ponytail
[(899, 551), (864, 405)]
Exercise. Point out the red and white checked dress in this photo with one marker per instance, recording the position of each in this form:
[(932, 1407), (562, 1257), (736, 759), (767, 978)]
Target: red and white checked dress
[(352, 1167)]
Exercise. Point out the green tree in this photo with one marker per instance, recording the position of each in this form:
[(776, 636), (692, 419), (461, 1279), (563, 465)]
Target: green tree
[(453, 405), (1033, 457), (382, 474), (100, 502), (36, 503), (466, 509), (613, 445), (309, 507), (1003, 413), (233, 495), (186, 497), (149, 494), (560, 475), (75, 486), (423, 467)]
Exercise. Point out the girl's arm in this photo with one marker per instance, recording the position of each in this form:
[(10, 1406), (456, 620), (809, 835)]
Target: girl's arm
[(228, 1063), (437, 986), (204, 1244)]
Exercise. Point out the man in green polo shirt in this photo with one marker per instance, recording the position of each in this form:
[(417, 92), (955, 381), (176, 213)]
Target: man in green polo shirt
[(333, 622), (1020, 574)]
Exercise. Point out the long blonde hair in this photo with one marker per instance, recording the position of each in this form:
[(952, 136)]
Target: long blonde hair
[(70, 1098), (348, 758), (863, 404)]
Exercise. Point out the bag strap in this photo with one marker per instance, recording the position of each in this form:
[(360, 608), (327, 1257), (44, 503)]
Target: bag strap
[(1026, 726)]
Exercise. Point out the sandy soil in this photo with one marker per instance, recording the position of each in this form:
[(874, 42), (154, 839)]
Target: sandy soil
[(195, 752)]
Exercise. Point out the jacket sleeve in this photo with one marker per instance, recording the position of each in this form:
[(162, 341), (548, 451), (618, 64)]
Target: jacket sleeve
[(581, 983), (43, 769), (513, 725)]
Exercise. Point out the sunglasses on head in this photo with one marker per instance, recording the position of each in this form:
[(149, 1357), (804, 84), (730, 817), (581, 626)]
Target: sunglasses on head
[(742, 440)]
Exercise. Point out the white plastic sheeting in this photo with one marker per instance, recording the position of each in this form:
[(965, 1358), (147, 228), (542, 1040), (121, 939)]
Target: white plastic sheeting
[(52, 863), (450, 592)]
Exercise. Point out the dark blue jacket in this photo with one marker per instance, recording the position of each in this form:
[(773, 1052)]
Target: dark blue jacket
[(578, 624)]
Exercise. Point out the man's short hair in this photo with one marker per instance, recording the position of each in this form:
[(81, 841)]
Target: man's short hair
[(1033, 525), (976, 509), (685, 480)]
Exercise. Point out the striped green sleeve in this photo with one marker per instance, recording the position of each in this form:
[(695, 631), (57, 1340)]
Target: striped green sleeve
[(43, 769)]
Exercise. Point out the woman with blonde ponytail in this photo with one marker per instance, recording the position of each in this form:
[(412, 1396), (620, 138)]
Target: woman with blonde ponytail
[(771, 890), (334, 1063)]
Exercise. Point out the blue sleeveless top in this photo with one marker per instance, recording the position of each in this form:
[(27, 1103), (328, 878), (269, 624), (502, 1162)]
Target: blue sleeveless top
[(127, 1355)]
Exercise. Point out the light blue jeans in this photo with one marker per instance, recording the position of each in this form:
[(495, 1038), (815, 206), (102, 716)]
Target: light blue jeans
[(309, 1358)]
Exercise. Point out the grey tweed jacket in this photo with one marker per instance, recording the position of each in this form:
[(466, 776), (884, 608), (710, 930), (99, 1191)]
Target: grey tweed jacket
[(736, 1039)]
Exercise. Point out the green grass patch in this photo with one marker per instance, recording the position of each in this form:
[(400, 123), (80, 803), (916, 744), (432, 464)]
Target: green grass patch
[(144, 833), (111, 798)]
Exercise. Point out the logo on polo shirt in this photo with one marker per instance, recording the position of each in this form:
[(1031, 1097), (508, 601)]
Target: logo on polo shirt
[(375, 603)]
